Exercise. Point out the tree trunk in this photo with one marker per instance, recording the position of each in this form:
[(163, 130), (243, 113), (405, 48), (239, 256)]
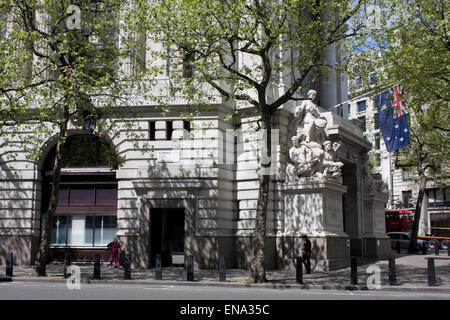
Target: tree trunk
[(42, 255), (413, 243), (257, 265)]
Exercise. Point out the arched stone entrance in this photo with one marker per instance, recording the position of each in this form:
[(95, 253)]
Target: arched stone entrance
[(86, 215)]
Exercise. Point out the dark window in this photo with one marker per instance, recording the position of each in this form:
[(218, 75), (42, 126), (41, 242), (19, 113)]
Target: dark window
[(106, 195), (358, 83), (405, 237), (187, 125), (438, 197), (169, 128), (363, 123), (81, 195), (373, 78), (431, 198), (188, 66), (447, 197), (2, 24), (98, 23), (377, 141), (63, 196), (376, 121), (407, 174), (349, 109), (152, 130), (84, 152), (407, 197), (362, 105)]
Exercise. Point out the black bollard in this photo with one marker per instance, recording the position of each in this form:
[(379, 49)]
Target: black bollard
[(436, 248), (354, 271), (448, 249), (97, 267), (190, 268), (392, 273), (222, 271), (127, 267), (424, 248), (299, 275), (158, 274), (9, 264), (67, 262), (431, 272), (398, 246)]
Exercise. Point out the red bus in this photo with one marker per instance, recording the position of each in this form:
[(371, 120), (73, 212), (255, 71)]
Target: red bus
[(399, 220)]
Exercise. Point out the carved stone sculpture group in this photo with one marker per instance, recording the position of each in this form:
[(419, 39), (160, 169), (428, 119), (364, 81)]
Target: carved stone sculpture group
[(312, 154)]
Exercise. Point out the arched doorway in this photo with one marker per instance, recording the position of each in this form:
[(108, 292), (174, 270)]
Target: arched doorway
[(85, 220)]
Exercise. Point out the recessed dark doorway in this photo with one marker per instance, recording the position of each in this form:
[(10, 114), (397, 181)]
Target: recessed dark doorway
[(167, 236)]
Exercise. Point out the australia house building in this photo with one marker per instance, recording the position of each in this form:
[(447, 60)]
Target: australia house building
[(198, 195)]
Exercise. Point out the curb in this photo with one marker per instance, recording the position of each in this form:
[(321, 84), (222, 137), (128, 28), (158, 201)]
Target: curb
[(235, 285)]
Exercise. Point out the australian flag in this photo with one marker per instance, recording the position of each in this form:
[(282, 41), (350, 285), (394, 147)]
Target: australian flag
[(392, 118)]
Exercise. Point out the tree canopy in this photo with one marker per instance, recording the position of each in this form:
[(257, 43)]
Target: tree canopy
[(410, 46)]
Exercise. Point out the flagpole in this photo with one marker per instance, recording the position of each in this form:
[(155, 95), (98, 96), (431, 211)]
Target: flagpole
[(391, 178)]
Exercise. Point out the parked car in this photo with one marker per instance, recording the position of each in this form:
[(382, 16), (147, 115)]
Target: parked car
[(404, 238)]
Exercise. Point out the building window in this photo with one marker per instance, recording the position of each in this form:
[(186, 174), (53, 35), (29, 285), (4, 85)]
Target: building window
[(83, 230), (362, 105), (377, 141), (188, 64), (373, 78), (100, 61), (169, 128), (438, 197), (2, 24), (363, 123), (187, 125), (358, 83), (407, 174), (407, 197), (349, 109), (152, 130), (84, 151), (440, 224), (376, 121)]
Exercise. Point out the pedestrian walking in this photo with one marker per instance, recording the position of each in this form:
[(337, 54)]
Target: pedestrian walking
[(114, 257), (306, 253)]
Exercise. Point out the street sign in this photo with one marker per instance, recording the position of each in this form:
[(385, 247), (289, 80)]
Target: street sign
[(168, 156)]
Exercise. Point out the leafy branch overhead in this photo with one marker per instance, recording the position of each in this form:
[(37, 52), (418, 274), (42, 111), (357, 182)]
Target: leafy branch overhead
[(244, 49)]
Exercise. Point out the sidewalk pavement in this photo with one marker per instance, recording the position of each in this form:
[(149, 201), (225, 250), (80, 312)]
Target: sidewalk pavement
[(411, 274)]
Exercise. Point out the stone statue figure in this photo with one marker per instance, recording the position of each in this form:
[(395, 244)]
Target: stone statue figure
[(311, 154), (332, 167), (300, 163), (307, 116), (372, 182)]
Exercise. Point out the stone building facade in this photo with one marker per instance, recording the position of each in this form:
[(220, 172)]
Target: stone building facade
[(197, 195)]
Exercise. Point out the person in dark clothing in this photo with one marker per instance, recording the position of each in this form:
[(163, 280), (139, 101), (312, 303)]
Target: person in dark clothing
[(114, 247), (306, 253)]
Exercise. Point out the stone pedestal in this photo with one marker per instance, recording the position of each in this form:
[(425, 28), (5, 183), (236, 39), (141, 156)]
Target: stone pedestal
[(377, 244), (314, 208)]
